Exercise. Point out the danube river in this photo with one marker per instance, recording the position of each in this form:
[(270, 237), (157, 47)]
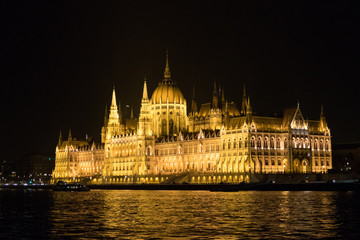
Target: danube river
[(138, 214)]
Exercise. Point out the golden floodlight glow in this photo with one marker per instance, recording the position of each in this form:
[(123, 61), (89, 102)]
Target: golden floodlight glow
[(216, 143)]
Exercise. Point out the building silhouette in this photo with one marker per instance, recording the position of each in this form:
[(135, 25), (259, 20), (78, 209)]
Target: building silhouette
[(216, 142)]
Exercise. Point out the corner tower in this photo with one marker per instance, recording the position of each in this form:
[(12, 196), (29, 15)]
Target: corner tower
[(112, 122)]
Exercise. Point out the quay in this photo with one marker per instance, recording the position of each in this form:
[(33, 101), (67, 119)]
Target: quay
[(355, 186)]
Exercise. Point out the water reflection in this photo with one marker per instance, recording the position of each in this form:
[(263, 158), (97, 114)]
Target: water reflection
[(181, 214)]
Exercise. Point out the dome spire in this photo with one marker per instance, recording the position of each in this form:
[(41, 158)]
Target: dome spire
[(167, 74)]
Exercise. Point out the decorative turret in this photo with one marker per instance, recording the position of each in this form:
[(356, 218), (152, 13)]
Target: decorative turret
[(226, 114), (194, 107), (248, 111), (132, 112), (222, 97), (243, 103), (60, 140), (226, 108), (323, 123), (69, 137), (215, 100)]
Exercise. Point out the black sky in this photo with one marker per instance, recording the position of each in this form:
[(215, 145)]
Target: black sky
[(60, 60)]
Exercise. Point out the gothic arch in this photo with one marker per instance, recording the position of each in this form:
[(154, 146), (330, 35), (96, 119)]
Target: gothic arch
[(297, 166)]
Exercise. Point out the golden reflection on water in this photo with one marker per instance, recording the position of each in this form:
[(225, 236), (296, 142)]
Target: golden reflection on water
[(195, 214)]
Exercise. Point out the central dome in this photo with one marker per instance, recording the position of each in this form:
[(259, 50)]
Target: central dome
[(167, 92)]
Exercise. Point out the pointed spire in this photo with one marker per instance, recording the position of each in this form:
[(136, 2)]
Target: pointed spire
[(248, 107), (322, 111), (114, 114), (298, 104), (70, 137), (167, 74), (113, 100), (132, 113), (60, 139), (145, 92), (248, 111), (243, 103), (323, 123), (215, 101), (193, 103), (222, 95)]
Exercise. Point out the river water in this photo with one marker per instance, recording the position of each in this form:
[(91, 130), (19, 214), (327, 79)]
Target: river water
[(137, 214)]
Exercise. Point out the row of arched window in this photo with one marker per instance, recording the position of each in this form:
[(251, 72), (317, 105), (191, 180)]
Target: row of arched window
[(296, 143), (234, 144), (318, 145), (272, 144)]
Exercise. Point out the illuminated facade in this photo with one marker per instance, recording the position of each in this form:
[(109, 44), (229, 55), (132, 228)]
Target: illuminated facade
[(212, 144)]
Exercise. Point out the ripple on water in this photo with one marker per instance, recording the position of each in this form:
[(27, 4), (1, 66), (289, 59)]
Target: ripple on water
[(115, 214)]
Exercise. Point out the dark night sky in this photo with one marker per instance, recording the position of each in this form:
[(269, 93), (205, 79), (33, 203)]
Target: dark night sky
[(60, 59)]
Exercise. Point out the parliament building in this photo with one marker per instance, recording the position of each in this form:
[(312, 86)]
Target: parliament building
[(217, 142)]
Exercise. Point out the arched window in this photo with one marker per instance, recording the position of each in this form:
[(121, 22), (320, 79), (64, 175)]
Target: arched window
[(293, 142), (234, 143), (327, 145), (163, 127), (306, 143), (171, 127), (229, 144), (285, 143), (239, 142), (224, 145), (272, 143), (316, 144), (259, 142), (266, 143), (278, 143), (252, 142), (246, 143), (297, 143), (321, 144)]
